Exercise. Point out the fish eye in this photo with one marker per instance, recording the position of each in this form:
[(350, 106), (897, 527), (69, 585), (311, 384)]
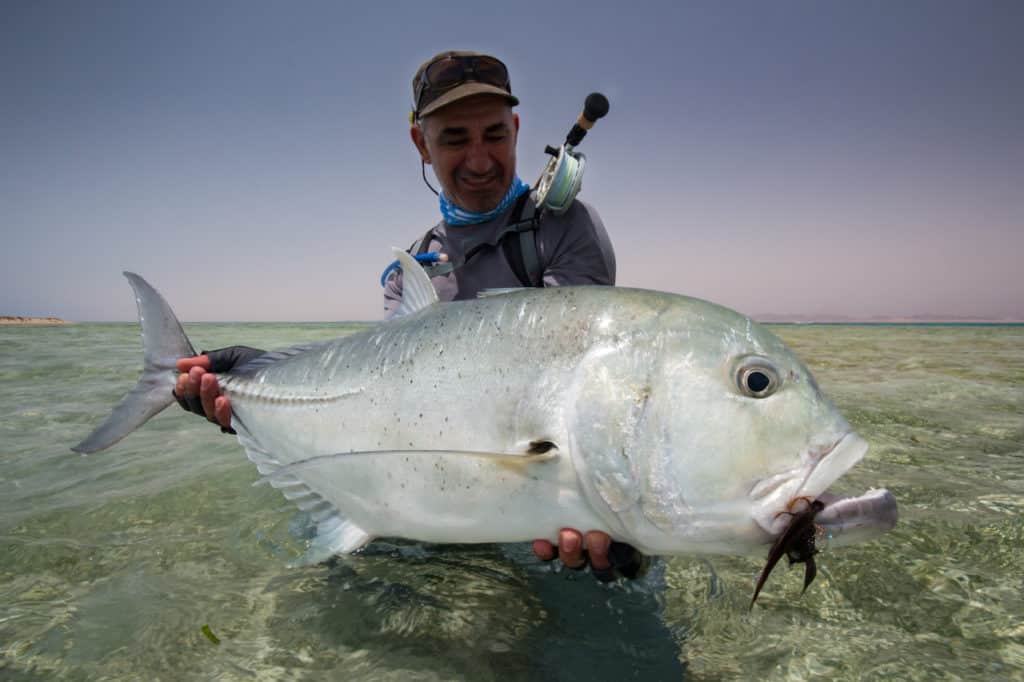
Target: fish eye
[(757, 380)]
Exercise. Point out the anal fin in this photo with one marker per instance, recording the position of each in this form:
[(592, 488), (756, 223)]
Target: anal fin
[(334, 533)]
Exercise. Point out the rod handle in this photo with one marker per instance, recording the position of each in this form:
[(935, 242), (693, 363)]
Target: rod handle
[(595, 107)]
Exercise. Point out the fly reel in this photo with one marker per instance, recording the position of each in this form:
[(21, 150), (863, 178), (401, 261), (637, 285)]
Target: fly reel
[(562, 177)]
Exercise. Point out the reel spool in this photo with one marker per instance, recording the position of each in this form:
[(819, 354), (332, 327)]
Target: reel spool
[(562, 177)]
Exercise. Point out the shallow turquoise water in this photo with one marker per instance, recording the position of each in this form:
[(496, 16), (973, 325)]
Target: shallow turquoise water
[(110, 565)]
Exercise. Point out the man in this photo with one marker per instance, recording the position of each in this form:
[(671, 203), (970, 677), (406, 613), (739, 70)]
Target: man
[(463, 126)]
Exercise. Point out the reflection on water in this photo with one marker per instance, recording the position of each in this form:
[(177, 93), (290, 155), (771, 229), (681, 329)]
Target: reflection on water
[(111, 565)]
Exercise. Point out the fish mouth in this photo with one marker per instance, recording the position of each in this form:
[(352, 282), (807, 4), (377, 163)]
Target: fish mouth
[(843, 519)]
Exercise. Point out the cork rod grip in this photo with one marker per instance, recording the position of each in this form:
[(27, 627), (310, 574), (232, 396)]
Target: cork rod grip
[(595, 107)]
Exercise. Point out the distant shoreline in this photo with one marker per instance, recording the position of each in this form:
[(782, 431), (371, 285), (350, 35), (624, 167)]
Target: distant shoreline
[(909, 319), (9, 319), (897, 323)]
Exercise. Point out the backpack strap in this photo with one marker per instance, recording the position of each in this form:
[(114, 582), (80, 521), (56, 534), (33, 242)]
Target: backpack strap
[(518, 241), (422, 246), (521, 249)]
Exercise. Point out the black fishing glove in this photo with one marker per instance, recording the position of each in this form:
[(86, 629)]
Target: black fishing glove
[(626, 561), (226, 359), (221, 360)]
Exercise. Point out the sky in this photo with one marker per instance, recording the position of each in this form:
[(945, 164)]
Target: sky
[(252, 159)]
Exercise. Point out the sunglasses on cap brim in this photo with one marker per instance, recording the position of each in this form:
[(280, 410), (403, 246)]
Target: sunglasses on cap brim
[(448, 72)]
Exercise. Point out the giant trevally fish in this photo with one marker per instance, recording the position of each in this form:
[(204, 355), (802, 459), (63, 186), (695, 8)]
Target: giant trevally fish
[(670, 423)]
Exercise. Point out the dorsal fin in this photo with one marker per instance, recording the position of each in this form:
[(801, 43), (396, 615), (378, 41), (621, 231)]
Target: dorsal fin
[(417, 291), (487, 293), (270, 357)]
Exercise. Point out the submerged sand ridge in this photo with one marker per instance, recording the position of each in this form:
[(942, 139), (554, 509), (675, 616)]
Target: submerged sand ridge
[(7, 319)]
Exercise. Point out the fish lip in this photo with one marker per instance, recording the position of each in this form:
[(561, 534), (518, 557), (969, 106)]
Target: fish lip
[(819, 469), (829, 464), (849, 519)]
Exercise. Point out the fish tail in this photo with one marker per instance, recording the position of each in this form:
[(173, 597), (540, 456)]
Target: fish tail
[(163, 342)]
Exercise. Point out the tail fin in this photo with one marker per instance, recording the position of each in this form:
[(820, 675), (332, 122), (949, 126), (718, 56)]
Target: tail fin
[(163, 342)]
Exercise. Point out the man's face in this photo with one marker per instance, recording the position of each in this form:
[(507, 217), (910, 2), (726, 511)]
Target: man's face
[(471, 144)]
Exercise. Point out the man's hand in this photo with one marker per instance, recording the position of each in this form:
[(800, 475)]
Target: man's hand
[(608, 559), (197, 389)]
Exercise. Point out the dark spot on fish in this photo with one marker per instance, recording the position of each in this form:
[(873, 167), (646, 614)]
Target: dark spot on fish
[(796, 543)]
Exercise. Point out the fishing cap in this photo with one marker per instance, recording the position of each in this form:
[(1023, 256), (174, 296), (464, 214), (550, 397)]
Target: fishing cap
[(456, 74)]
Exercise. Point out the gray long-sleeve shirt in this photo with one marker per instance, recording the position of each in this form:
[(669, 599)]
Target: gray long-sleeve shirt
[(573, 248)]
